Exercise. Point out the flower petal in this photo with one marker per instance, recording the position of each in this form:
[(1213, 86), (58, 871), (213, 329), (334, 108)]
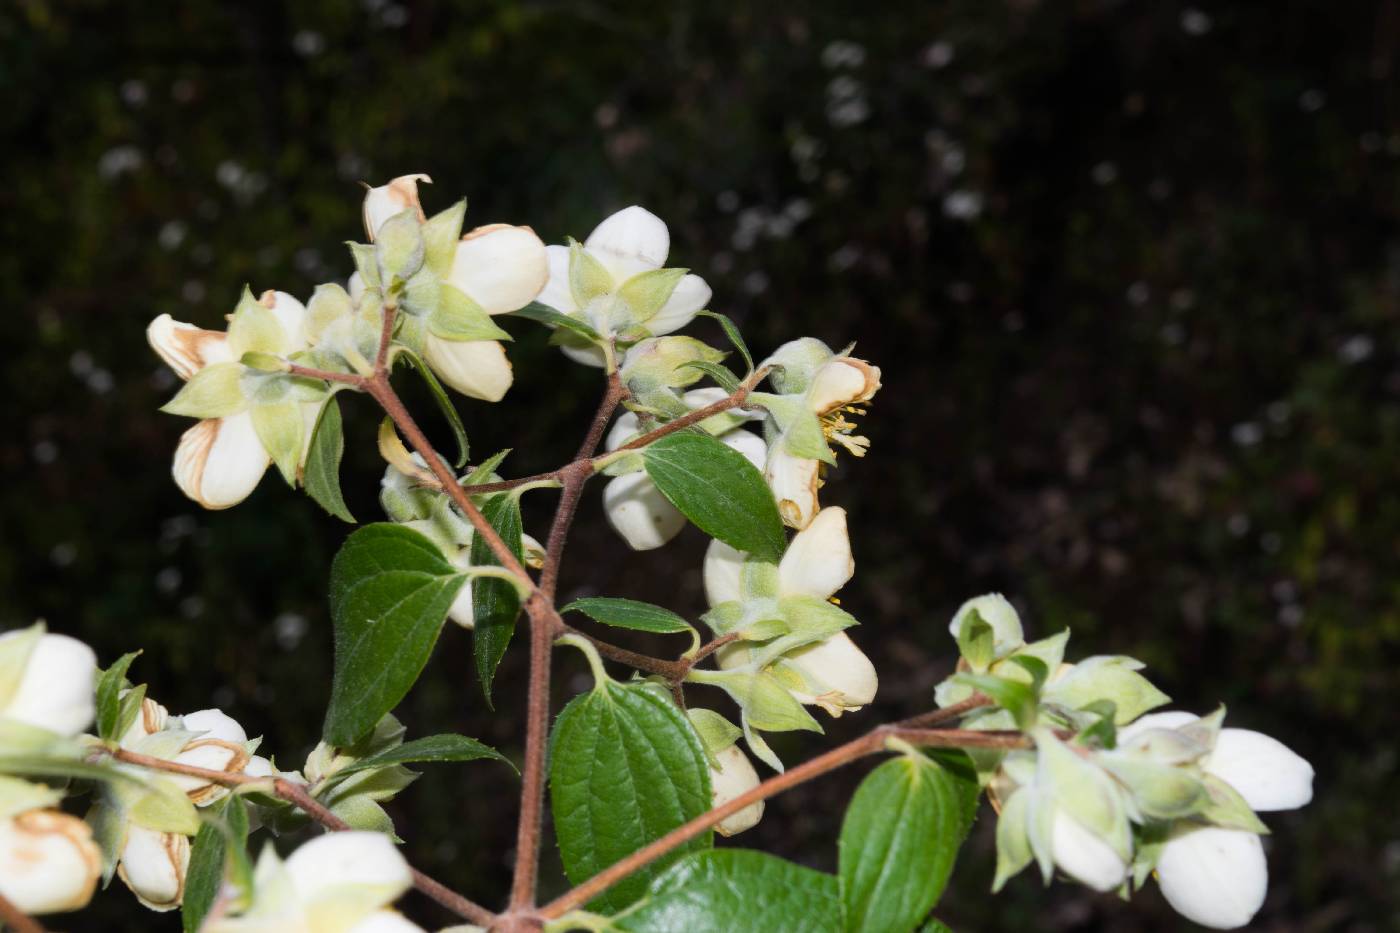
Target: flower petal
[(626, 427), (386, 921), (734, 776), (48, 862), (1214, 877), (1170, 719), (215, 724), (500, 267), (842, 381), (476, 368), (220, 461), (840, 676), (58, 687), (556, 292), (291, 314), (818, 561), (1084, 856), (394, 198), (632, 240), (1268, 774), (365, 863), (749, 444), (638, 511), (724, 567), (794, 484), (691, 295), (153, 865), (591, 355), (185, 348)]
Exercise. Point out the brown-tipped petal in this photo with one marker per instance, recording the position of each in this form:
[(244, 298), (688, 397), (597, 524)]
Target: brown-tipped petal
[(794, 484), (220, 461), (153, 865), (185, 348), (48, 862), (502, 268), (842, 381), (394, 198)]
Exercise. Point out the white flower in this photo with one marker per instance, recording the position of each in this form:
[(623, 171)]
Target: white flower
[(498, 266), (48, 862), (220, 460), (154, 865), (1217, 876), (997, 612), (336, 883), (635, 508), (834, 673), (628, 244), (813, 381), (1085, 856), (57, 687), (734, 775)]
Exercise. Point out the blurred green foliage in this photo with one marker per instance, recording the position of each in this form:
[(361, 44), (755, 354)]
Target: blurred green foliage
[(1131, 271)]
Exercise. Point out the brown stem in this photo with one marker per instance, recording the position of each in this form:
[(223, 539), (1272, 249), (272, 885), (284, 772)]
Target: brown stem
[(386, 337), (543, 619), (16, 919), (298, 796), (735, 399), (506, 485), (710, 648), (873, 741), (976, 701), (673, 671), (328, 375), (612, 395)]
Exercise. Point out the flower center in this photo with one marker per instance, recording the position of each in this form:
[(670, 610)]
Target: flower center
[(837, 428)]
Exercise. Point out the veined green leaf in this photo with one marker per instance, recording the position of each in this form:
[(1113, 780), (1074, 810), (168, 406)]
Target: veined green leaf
[(629, 613), (495, 603), (321, 475)]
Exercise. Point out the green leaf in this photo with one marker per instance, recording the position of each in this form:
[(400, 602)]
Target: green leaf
[(279, 427), (109, 689), (321, 475), (483, 472), (458, 317), (625, 769), (390, 592), (495, 602), (732, 332), (899, 840), (717, 488), (444, 403), (431, 748), (214, 392), (544, 314), (723, 890), (935, 926), (222, 842), (1013, 696), (629, 613), (720, 374)]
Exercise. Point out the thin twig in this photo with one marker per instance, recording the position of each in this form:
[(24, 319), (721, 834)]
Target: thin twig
[(976, 701), (16, 919), (298, 796), (329, 375), (735, 399)]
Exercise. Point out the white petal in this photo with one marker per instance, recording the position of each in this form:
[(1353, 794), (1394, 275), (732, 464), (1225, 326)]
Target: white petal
[(1171, 719), (462, 611), (735, 776), (215, 724), (640, 513), (818, 561), (691, 295), (842, 381), (386, 921), (394, 198), (502, 268), (1268, 774), (347, 860), (356, 287), (185, 348), (211, 755), (723, 568), (794, 484), (591, 355), (996, 610), (840, 675), (1084, 856), (291, 314), (632, 240), (556, 292), (57, 690), (152, 719), (708, 395), (220, 461), (623, 430), (749, 444), (476, 368), (153, 865), (1214, 877), (258, 766), (48, 862)]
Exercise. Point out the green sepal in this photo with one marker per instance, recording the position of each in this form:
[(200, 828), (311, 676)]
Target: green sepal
[(254, 329), (398, 246), (280, 429), (459, 318), (441, 234), (366, 263), (216, 391), (109, 689), (588, 278), (647, 292)]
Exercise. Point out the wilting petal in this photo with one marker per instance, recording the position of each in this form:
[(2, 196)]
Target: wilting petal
[(386, 921), (749, 444), (220, 461), (556, 293), (723, 568), (640, 513), (794, 484), (838, 674), (691, 295), (349, 869), (394, 198), (1268, 774), (1214, 877), (153, 865), (185, 348), (215, 724), (632, 240), (734, 776), (477, 368), (48, 862), (818, 561), (842, 381), (1084, 856), (57, 690), (502, 268)]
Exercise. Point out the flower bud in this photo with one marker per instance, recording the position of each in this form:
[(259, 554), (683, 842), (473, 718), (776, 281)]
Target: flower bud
[(476, 368), (153, 865), (796, 362), (57, 686), (734, 775), (997, 612), (1084, 856), (384, 202), (152, 719), (48, 862), (1214, 877)]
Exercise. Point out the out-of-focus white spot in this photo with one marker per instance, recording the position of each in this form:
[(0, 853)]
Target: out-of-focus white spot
[(1195, 22), (1356, 349), (308, 43), (937, 54), (962, 204), (843, 54), (119, 160)]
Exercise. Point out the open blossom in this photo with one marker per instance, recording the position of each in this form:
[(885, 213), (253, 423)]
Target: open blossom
[(221, 459), (48, 862), (831, 673), (812, 380), (336, 883), (499, 267), (608, 289), (57, 687), (1214, 875), (635, 508)]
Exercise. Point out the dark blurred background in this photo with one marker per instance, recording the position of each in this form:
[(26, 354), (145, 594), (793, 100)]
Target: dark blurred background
[(1131, 271)]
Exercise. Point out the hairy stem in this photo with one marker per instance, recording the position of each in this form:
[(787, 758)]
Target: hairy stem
[(16, 919)]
